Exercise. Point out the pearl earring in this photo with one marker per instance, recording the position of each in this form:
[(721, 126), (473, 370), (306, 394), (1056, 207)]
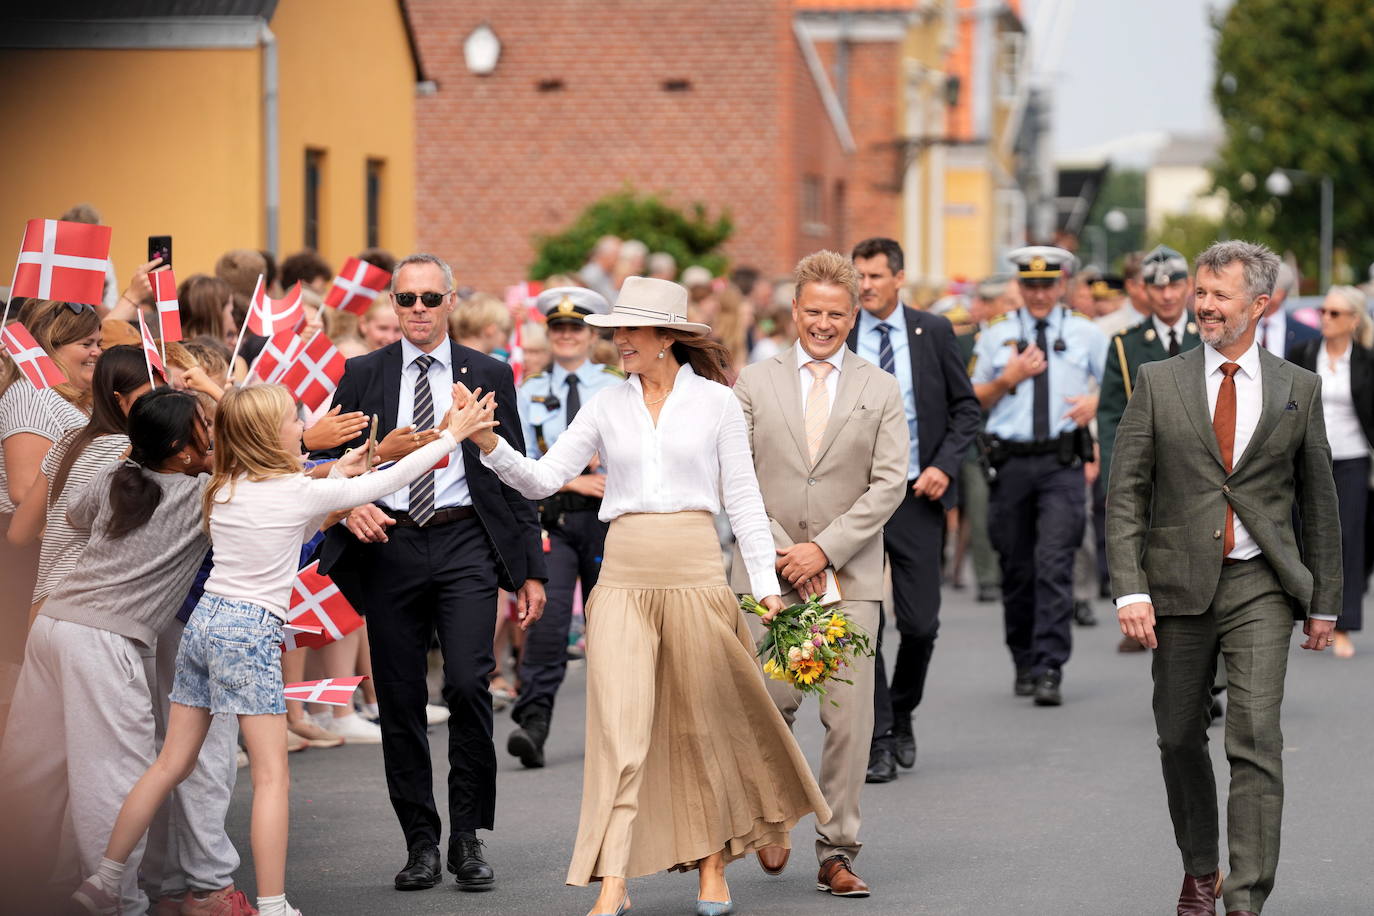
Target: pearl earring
[(660, 353)]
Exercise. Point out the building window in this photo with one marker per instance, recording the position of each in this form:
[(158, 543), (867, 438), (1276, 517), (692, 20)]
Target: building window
[(839, 214), (314, 178), (1009, 65), (813, 204), (374, 202)]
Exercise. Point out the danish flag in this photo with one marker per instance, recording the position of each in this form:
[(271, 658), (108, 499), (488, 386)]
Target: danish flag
[(168, 312), (357, 286), (332, 691), (277, 354), (150, 354), (520, 301), (267, 316), (317, 605), (62, 260), (38, 367), (315, 373)]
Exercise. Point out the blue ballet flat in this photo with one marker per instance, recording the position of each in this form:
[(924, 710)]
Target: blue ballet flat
[(715, 908), (620, 910)]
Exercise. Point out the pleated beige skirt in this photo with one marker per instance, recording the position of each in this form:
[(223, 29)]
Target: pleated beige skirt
[(686, 753)]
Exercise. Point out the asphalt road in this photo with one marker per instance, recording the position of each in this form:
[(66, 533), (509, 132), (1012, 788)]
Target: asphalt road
[(1011, 809)]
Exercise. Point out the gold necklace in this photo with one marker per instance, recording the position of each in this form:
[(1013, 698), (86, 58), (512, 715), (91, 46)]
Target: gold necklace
[(660, 400)]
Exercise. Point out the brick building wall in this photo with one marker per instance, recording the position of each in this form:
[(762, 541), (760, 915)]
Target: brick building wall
[(584, 102)]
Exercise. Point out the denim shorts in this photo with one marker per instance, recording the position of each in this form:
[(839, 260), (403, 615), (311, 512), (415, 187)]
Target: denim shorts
[(230, 659)]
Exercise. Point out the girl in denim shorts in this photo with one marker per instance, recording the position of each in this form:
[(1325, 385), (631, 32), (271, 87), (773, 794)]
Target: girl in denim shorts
[(259, 508)]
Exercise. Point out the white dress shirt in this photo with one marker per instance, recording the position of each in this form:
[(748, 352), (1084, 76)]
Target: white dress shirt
[(1274, 332), (1343, 428), (1179, 328), (804, 376), (450, 482), (695, 458)]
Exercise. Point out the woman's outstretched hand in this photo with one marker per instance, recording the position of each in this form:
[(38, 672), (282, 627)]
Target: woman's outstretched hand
[(472, 417), (774, 605)]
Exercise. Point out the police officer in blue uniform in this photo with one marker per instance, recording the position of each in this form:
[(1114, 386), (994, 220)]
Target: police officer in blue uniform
[(1036, 372), (548, 402)]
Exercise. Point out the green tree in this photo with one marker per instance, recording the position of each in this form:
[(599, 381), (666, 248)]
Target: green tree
[(1123, 190), (1187, 233), (1294, 87), (690, 237)]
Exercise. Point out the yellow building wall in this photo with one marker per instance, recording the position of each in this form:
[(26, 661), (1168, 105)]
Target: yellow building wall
[(968, 223), (347, 88), (160, 142)]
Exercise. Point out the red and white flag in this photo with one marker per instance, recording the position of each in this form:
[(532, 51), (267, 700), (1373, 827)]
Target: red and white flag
[(276, 356), (332, 691), (150, 354), (267, 316), (62, 260), (318, 605), (38, 367), (168, 311), (315, 373), (520, 301), (357, 286)]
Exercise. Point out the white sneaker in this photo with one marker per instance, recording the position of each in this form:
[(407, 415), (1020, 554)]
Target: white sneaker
[(368, 711), (354, 729), (436, 715)]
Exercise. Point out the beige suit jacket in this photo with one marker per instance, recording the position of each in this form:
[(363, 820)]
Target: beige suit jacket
[(842, 501)]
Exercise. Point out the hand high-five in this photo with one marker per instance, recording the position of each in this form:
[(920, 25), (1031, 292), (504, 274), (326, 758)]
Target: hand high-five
[(472, 417)]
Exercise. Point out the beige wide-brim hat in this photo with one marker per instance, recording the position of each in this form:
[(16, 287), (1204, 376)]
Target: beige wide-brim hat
[(645, 302)]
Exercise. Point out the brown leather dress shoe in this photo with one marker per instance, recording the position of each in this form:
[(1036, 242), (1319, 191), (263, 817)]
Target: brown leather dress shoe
[(1129, 644), (773, 859), (1199, 895), (838, 879)]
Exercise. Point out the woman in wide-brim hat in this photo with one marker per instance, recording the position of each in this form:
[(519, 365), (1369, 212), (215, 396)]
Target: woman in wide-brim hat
[(688, 762)]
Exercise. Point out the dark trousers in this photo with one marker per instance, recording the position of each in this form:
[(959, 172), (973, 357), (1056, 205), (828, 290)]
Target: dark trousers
[(575, 549), (1352, 485), (1036, 516), (1104, 577), (423, 581), (913, 539), (1250, 622)]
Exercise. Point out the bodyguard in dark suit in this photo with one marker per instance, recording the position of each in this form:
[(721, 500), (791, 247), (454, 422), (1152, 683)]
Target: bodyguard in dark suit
[(429, 558), (1214, 448), (1278, 332), (942, 418)]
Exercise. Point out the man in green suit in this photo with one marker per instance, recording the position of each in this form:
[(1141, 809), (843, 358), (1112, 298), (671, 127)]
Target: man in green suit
[(1214, 450)]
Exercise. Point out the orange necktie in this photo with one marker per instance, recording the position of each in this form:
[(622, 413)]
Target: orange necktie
[(1224, 425)]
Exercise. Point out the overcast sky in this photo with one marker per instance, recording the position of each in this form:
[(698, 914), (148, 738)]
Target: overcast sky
[(1129, 67)]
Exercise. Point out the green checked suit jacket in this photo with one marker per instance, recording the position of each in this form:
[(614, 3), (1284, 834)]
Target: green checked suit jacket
[(1167, 495)]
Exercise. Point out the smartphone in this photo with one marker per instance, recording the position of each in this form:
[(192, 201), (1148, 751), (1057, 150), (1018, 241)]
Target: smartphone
[(371, 443), (160, 246)]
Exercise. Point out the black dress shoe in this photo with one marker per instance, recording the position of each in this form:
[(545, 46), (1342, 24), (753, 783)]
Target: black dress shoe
[(1083, 614), (881, 766), (470, 870), (1104, 590), (1025, 682), (422, 870), (1047, 689), (904, 743), (527, 741), (988, 594), (1218, 711)]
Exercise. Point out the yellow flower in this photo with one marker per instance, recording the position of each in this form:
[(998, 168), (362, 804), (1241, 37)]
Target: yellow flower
[(835, 628)]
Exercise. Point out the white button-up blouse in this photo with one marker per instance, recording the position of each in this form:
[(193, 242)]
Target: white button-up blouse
[(695, 458)]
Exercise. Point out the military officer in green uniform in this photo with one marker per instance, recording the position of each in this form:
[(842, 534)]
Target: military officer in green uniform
[(1170, 329)]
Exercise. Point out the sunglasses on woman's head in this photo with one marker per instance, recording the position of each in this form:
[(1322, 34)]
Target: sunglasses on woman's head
[(407, 300), (78, 307)]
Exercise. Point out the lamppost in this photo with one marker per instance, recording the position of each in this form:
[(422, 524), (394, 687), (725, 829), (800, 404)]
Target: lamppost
[(1280, 184)]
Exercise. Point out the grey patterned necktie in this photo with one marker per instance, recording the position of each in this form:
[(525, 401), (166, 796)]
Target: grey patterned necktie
[(422, 490)]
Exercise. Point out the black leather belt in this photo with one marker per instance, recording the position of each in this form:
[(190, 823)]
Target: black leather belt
[(441, 517)]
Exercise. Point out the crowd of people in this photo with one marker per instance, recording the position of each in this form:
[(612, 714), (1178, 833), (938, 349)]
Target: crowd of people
[(534, 459)]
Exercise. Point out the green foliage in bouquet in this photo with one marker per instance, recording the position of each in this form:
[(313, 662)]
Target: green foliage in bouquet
[(807, 644)]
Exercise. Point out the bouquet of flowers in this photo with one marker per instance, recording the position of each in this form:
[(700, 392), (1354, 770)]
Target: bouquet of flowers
[(807, 643)]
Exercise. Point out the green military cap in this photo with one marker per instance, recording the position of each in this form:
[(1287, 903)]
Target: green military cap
[(1163, 266)]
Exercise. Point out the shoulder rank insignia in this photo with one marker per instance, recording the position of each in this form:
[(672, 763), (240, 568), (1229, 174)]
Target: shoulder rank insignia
[(613, 370), (530, 378), (1076, 313), (1001, 317)]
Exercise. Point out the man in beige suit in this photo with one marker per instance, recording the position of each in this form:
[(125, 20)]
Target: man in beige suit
[(829, 437)]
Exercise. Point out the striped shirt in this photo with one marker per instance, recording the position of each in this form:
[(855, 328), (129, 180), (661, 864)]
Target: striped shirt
[(62, 544), (25, 409)]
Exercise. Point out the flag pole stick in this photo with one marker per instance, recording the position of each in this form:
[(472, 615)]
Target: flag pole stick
[(9, 297), (143, 342), (252, 304)]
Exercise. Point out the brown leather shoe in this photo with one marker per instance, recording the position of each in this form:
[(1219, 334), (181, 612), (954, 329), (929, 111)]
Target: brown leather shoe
[(773, 859), (1199, 895), (1129, 644), (838, 879)]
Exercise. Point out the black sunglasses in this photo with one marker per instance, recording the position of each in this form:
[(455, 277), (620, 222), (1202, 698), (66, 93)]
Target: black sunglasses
[(78, 307), (407, 300)]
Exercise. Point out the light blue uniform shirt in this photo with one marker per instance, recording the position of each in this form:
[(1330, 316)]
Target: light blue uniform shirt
[(1074, 370), (869, 339), (532, 400)]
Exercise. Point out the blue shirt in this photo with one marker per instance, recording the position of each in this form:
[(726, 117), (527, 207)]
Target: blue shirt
[(532, 400), (1074, 370), (869, 341)]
